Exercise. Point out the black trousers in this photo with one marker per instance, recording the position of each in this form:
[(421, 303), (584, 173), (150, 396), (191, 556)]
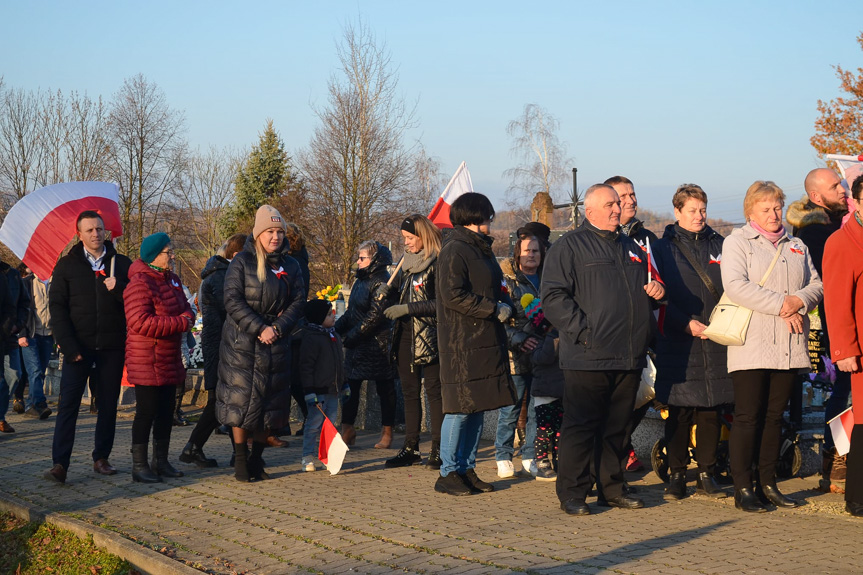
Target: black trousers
[(413, 378), (386, 392), (207, 424), (854, 480), (596, 407), (707, 431), (107, 366), (760, 398), (154, 409)]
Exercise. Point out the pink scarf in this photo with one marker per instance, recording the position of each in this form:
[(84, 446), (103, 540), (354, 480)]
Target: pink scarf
[(774, 237)]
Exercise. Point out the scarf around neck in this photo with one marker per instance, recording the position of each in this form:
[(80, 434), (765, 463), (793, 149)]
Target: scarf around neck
[(772, 237)]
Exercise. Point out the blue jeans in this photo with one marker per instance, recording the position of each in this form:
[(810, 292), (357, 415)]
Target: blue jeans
[(839, 401), (459, 441), (315, 420), (9, 377), (37, 354), (507, 417)]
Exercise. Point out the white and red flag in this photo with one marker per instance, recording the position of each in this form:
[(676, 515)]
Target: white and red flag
[(651, 261), (840, 427), (40, 224), (332, 448), (459, 184)]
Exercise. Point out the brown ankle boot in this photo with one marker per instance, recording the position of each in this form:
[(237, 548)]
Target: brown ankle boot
[(349, 434), (386, 438)]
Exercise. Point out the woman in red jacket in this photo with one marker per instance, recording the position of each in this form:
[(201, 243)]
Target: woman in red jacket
[(157, 317)]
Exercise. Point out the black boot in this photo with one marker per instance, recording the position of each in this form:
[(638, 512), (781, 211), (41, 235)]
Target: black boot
[(706, 485), (774, 496), (409, 455), (159, 463), (241, 464), (179, 416), (676, 488), (141, 471), (434, 460), (746, 500), (256, 462), (194, 454)]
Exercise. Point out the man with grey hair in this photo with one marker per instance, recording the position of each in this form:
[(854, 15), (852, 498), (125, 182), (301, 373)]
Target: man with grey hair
[(595, 291)]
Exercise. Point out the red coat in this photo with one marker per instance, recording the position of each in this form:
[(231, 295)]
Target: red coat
[(154, 304), (843, 298)]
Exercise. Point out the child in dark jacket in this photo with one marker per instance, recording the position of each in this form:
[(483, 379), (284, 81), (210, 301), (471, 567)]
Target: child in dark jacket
[(321, 366), (547, 391)]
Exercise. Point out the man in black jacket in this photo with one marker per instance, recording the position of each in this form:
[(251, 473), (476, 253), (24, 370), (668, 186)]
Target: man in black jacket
[(631, 226), (89, 325), (814, 219), (595, 291)]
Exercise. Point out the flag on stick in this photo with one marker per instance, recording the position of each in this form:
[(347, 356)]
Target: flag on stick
[(840, 427), (332, 448), (458, 185)]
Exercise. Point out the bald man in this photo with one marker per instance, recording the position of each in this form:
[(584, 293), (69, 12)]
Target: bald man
[(814, 219), (595, 292)]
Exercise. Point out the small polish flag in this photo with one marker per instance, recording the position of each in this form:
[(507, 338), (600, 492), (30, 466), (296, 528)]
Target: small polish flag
[(840, 427), (332, 448), (796, 250), (651, 261), (634, 257), (715, 259), (458, 185)]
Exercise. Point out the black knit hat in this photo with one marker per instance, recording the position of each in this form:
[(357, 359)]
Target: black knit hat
[(541, 231), (317, 310)]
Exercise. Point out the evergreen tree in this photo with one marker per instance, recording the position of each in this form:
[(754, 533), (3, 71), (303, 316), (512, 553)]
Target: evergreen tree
[(264, 177)]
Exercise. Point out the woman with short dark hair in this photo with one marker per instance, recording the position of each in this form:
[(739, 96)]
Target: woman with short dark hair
[(472, 305)]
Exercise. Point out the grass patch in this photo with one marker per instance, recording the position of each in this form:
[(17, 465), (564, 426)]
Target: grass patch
[(28, 548)]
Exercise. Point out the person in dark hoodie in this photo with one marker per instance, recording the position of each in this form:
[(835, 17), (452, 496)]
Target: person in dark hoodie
[(263, 299), (367, 335), (13, 326), (89, 325), (814, 219), (321, 366), (212, 300)]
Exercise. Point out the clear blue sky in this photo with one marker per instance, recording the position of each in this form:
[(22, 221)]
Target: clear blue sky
[(718, 94)]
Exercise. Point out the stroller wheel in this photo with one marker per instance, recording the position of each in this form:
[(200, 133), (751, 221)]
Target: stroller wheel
[(659, 460)]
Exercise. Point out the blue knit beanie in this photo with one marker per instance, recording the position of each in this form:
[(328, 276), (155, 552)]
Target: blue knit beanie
[(153, 245)]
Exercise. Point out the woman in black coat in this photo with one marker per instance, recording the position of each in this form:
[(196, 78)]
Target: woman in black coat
[(691, 371), (263, 300), (212, 300), (415, 338), (472, 305), (366, 333)]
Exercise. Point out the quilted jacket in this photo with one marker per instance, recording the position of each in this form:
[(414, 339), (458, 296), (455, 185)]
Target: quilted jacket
[(155, 304)]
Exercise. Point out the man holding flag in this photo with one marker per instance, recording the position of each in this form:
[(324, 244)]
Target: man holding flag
[(843, 302), (595, 290), (631, 226)]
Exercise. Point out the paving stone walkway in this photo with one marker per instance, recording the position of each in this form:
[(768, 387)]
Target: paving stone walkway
[(368, 519)]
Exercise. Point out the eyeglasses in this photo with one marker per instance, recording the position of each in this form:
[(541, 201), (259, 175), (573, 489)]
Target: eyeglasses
[(361, 258), (169, 252)]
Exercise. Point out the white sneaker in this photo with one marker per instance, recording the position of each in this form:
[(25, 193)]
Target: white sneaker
[(505, 469), (529, 466), (308, 464)]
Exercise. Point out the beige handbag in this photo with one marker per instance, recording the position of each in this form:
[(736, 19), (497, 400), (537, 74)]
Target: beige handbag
[(729, 322)]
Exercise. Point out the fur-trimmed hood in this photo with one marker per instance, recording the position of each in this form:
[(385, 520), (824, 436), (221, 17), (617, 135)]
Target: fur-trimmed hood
[(804, 213)]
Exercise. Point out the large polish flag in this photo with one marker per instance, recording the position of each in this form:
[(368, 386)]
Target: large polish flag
[(840, 427), (40, 224), (459, 184), (332, 448)]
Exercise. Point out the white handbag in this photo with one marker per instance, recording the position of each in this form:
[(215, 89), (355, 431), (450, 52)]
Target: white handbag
[(729, 322)]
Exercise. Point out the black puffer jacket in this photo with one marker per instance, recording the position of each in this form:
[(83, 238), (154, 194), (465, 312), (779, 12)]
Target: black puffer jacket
[(18, 308), (84, 314), (365, 330), (593, 293), (418, 292), (548, 379), (321, 360), (690, 371), (474, 364), (253, 391), (302, 257), (518, 285), (212, 300)]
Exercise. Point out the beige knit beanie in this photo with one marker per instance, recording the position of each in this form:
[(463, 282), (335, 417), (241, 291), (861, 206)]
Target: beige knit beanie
[(266, 218)]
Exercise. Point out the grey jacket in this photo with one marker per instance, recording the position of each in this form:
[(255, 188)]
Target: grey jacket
[(746, 255)]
